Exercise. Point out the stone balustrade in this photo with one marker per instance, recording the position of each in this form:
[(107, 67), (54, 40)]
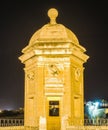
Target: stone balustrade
[(11, 122), (18, 124), (96, 122)]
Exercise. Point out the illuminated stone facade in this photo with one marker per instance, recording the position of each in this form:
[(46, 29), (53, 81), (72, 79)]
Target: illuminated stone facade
[(54, 71)]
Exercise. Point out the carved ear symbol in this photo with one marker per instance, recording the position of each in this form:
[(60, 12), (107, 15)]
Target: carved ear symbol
[(77, 74), (30, 75)]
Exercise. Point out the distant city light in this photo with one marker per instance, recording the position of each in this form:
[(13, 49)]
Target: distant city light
[(7, 107), (94, 110)]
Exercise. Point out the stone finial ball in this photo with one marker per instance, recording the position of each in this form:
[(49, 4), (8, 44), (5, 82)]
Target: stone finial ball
[(52, 13)]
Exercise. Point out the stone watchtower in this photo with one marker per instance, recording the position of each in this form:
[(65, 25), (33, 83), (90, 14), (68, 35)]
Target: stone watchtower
[(54, 90)]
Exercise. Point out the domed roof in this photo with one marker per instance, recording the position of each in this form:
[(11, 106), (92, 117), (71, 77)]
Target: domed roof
[(53, 32)]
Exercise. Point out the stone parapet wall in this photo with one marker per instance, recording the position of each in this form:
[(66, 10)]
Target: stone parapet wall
[(19, 128), (12, 128), (87, 128), (68, 128)]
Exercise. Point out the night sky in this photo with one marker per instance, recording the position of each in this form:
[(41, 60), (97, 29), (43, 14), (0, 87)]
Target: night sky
[(20, 19)]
